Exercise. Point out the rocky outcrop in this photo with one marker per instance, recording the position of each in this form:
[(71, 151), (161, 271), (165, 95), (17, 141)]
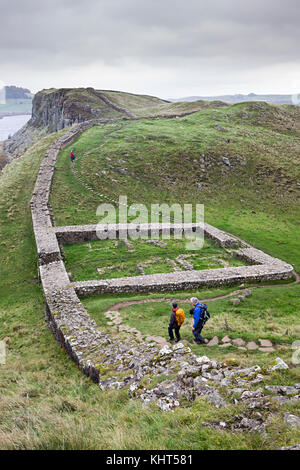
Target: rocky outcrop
[(22, 140), (58, 109), (3, 157)]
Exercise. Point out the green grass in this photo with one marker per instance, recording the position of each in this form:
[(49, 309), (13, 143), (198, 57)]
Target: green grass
[(118, 260), (138, 104), (269, 313)]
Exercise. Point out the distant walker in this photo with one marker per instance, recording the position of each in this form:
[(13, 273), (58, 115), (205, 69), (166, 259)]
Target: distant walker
[(72, 155)]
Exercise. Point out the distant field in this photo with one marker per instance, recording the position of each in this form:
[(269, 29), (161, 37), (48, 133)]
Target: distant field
[(19, 106)]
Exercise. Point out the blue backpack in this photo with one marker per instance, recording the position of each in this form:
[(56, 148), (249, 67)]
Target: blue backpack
[(205, 315)]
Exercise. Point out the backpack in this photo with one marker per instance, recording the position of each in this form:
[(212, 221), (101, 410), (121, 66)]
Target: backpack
[(205, 315), (179, 316)]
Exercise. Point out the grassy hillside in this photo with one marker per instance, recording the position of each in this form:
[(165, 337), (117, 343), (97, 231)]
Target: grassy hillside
[(143, 105), (45, 401), (270, 313), (89, 103), (246, 174), (133, 102)]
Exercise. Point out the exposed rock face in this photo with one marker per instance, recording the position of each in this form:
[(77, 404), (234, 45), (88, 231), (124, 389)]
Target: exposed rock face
[(57, 109), (3, 157), (22, 140), (292, 420)]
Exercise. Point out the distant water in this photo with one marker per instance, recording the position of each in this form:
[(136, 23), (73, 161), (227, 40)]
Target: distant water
[(11, 124)]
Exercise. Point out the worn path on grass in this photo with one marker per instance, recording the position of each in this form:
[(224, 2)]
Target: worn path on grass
[(115, 318), (126, 303)]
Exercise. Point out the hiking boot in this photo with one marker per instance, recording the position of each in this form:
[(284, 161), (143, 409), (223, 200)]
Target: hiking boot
[(206, 341), (196, 342), (177, 340)]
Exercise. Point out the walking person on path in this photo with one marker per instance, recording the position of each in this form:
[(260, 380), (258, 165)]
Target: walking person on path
[(199, 320), (72, 155), (176, 320)]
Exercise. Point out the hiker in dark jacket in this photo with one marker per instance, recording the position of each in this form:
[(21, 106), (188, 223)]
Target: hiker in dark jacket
[(198, 322), (173, 324)]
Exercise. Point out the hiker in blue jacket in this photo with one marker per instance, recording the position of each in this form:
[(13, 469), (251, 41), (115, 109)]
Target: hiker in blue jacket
[(198, 322)]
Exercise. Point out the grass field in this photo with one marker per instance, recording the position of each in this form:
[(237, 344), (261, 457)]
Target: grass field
[(257, 317), (16, 106), (46, 402), (117, 259)]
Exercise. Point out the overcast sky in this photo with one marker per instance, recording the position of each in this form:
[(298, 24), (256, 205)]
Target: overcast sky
[(168, 48)]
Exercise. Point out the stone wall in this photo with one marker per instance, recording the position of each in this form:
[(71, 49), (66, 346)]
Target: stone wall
[(110, 103), (81, 233), (185, 280)]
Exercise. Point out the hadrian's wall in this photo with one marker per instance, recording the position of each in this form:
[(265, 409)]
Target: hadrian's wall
[(81, 233), (70, 322)]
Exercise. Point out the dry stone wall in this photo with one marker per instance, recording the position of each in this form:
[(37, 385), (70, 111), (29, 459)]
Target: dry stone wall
[(81, 233), (184, 280)]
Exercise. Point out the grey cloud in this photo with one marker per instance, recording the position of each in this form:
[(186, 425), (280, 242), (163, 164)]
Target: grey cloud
[(169, 33)]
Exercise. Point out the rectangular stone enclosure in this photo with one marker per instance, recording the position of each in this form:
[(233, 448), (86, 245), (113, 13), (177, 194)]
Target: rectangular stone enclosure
[(262, 266)]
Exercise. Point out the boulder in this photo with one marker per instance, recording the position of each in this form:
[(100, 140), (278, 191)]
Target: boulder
[(203, 360), (279, 364), (238, 342), (265, 343), (247, 292), (216, 399), (178, 346), (226, 339), (251, 425), (292, 420), (165, 351), (213, 342)]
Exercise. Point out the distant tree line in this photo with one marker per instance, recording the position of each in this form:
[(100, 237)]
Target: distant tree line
[(14, 92)]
